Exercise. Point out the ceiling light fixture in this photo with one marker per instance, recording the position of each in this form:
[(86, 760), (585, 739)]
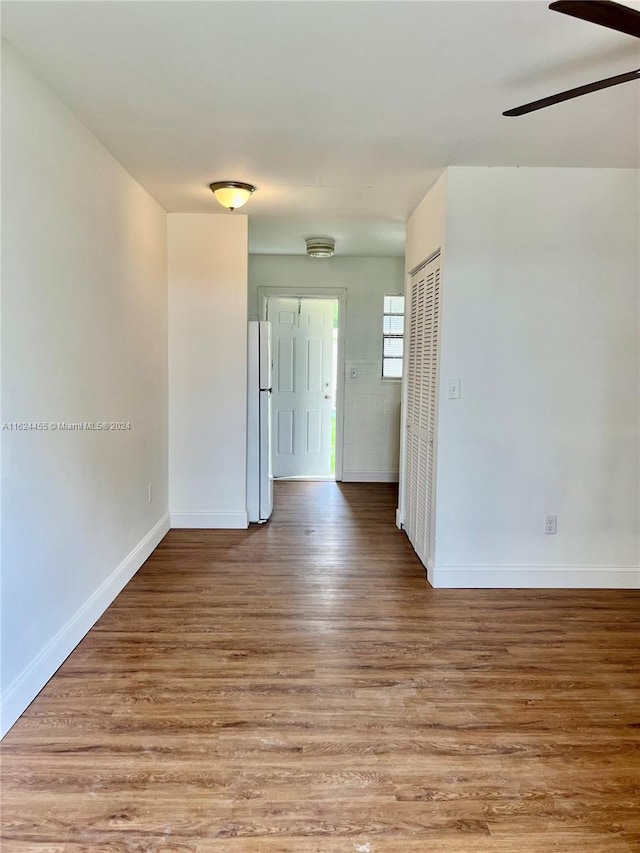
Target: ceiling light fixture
[(232, 194), (320, 247)]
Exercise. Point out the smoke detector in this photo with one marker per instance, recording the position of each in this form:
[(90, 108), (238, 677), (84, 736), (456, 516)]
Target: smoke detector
[(320, 247)]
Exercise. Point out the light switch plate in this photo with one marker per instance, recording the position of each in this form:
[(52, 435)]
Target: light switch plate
[(453, 391)]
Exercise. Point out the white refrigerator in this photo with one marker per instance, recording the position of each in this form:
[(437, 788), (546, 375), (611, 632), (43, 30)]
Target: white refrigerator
[(259, 477)]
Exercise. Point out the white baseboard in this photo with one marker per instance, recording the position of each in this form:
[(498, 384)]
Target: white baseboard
[(210, 520), (533, 577), (369, 476), (26, 686), (399, 520)]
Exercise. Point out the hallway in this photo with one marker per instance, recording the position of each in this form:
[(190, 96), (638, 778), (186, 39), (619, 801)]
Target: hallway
[(300, 687)]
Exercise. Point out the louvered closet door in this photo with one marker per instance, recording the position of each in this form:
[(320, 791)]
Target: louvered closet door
[(422, 386), (414, 386)]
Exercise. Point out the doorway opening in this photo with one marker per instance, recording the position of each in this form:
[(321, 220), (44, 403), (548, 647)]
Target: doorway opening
[(305, 344)]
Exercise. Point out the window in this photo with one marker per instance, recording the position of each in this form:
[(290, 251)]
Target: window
[(392, 337)]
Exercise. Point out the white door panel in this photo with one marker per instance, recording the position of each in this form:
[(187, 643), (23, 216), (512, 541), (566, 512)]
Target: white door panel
[(284, 432), (285, 364), (302, 341)]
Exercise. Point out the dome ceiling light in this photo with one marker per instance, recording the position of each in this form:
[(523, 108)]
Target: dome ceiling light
[(232, 194)]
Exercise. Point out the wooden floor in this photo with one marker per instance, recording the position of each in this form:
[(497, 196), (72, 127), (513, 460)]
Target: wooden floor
[(299, 687)]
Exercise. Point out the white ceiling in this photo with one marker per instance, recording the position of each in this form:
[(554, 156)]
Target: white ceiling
[(342, 113)]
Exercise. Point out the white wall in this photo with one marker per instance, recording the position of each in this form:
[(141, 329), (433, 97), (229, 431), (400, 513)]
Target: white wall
[(207, 369), (372, 406), (427, 225), (540, 324), (84, 338)]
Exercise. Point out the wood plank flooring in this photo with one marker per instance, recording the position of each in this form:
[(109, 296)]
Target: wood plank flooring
[(299, 687)]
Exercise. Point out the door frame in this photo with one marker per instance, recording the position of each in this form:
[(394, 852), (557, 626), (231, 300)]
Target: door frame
[(339, 293)]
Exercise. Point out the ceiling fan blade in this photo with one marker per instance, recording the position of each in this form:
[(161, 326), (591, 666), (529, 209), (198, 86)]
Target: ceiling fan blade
[(573, 93), (603, 12)]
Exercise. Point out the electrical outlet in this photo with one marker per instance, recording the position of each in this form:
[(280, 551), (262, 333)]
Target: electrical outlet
[(550, 524), (150, 493), (354, 372)]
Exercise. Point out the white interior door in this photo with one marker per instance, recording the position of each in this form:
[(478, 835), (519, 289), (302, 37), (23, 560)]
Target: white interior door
[(422, 388), (302, 347)]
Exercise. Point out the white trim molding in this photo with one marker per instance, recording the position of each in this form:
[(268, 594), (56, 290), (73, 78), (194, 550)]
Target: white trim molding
[(26, 686), (369, 476), (533, 577), (430, 572), (210, 520)]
